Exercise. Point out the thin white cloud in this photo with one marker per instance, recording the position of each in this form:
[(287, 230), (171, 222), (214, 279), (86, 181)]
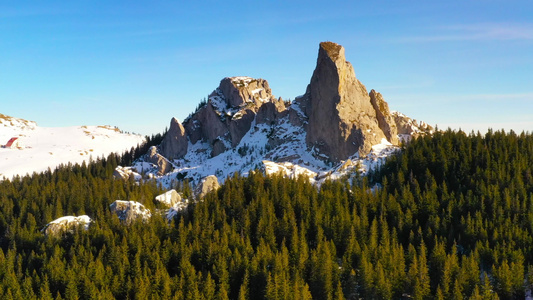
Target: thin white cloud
[(477, 32)]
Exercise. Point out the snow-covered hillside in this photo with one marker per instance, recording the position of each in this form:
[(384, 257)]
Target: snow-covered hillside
[(291, 158), (44, 147)]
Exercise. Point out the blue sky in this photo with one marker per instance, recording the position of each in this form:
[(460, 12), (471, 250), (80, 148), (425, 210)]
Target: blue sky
[(137, 64)]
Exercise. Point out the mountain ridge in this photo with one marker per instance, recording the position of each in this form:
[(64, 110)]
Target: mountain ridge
[(243, 126)]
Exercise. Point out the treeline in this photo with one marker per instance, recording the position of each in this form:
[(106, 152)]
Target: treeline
[(451, 218), (127, 158)]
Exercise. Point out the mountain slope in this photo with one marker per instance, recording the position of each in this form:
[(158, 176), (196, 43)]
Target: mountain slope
[(47, 147), (334, 128)]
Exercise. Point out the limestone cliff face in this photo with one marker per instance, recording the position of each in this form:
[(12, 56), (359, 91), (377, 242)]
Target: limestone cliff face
[(341, 117), (385, 119), (225, 118), (228, 114), (175, 143), (333, 121)]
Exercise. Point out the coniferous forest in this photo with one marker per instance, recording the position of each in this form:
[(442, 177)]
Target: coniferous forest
[(450, 217)]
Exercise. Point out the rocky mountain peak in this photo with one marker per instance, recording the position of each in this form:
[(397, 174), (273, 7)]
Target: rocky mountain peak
[(333, 51), (242, 90), (334, 126), (341, 118), (225, 118)]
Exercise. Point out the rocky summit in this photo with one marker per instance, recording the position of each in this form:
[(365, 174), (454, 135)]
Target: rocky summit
[(341, 117), (225, 118), (336, 126)]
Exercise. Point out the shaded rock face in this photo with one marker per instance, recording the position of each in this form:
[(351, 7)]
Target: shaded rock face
[(67, 223), (341, 118), (162, 164), (385, 119), (208, 184), (175, 143), (270, 112), (128, 211)]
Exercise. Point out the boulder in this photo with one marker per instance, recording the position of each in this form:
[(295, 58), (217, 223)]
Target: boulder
[(162, 163), (120, 173), (175, 143), (206, 185), (341, 118), (66, 223), (127, 211), (169, 198), (126, 173)]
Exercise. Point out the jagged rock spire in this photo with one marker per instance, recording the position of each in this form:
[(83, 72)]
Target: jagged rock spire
[(334, 120), (341, 118)]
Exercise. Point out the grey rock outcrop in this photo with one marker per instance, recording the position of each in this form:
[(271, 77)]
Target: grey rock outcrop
[(119, 173), (206, 125), (208, 184), (270, 112), (66, 223), (386, 121), (126, 173), (408, 126), (162, 163), (341, 119), (328, 126), (169, 198), (175, 143), (230, 111), (239, 91), (128, 211)]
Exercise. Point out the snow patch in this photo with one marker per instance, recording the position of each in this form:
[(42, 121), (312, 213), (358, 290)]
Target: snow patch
[(67, 223), (48, 147)]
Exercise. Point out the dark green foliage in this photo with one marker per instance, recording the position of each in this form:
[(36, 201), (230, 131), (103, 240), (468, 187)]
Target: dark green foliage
[(135, 153), (453, 220)]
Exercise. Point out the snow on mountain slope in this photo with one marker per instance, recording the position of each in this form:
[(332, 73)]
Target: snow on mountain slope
[(291, 158), (48, 147)]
